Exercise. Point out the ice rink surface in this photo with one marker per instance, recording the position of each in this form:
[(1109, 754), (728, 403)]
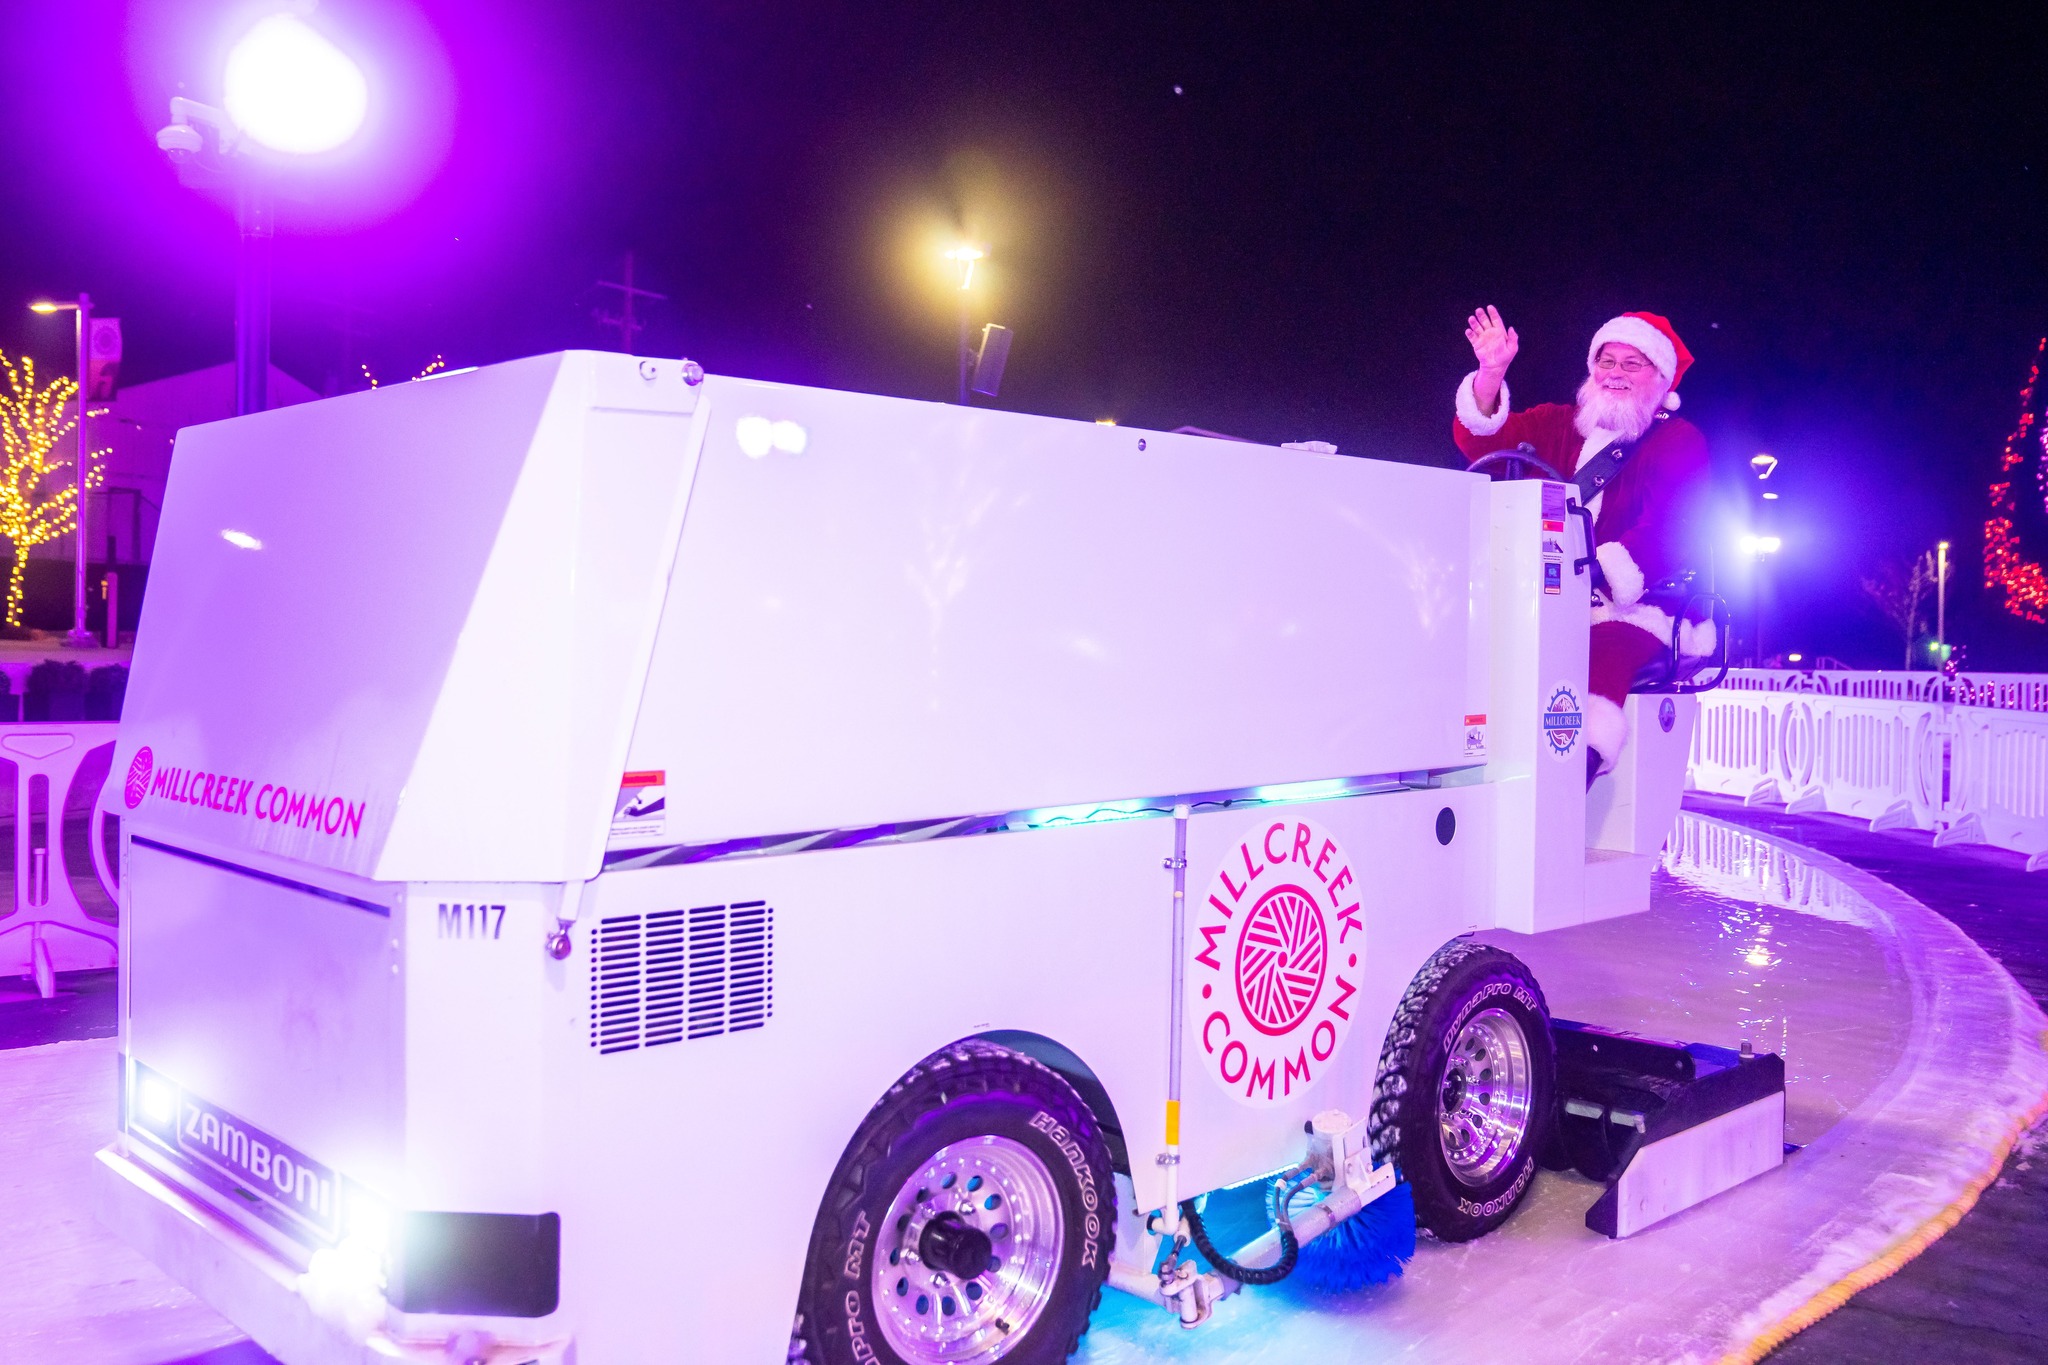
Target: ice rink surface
[(1912, 1061)]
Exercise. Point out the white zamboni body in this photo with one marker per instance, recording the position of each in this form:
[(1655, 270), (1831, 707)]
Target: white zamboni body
[(832, 729)]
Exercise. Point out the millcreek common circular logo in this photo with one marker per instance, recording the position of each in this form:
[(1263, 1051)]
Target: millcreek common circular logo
[(137, 785), (1562, 720), (1667, 715), (1275, 958)]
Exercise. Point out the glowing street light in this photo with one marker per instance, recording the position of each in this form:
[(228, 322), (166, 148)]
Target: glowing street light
[(965, 256), (291, 90), (290, 93)]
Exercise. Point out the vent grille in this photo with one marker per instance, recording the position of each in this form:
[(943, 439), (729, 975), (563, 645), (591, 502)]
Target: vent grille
[(674, 974)]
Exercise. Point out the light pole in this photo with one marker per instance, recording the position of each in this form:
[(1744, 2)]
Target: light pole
[(1759, 549), (1757, 545), (81, 311), (288, 93), (965, 257), (1941, 600)]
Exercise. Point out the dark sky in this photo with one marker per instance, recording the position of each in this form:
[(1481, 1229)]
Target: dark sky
[(1257, 220)]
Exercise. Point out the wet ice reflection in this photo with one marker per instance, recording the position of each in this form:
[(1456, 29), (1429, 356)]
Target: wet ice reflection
[(1743, 940)]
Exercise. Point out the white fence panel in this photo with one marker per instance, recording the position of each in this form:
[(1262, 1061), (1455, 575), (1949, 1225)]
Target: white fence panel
[(1966, 758), (61, 913)]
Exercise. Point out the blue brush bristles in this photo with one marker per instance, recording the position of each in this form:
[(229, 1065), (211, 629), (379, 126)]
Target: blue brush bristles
[(1368, 1248)]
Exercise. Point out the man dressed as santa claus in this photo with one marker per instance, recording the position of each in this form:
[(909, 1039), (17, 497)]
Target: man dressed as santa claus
[(1643, 506)]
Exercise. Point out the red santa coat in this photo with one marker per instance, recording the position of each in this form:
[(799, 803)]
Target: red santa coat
[(1645, 524)]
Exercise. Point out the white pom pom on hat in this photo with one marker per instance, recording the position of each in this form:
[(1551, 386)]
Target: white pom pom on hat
[(1655, 337)]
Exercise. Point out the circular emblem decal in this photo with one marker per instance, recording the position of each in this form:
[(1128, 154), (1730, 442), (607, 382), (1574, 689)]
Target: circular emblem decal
[(1667, 714), (1562, 720), (137, 785), (1280, 960), (1275, 951)]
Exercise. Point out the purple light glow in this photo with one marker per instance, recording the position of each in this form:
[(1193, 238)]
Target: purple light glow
[(464, 129), (291, 90)]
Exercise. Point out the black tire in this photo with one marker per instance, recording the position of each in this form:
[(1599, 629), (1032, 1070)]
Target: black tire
[(972, 1089), (1462, 982)]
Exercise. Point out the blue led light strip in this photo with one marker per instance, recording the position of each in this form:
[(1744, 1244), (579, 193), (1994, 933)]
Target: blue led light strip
[(1042, 817)]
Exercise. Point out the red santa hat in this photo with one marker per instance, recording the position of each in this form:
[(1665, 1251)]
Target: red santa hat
[(1655, 338)]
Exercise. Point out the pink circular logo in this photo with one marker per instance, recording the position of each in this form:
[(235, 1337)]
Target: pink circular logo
[(1280, 960), (1275, 955), (137, 785)]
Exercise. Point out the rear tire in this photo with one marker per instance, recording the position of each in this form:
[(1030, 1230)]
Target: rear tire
[(1466, 1085), (979, 1160)]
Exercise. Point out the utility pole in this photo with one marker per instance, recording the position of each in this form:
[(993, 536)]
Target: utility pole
[(629, 325)]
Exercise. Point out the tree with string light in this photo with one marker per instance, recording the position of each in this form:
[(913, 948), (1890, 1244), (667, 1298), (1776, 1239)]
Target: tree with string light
[(38, 501)]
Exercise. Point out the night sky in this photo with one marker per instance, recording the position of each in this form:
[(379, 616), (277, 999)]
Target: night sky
[(1259, 221)]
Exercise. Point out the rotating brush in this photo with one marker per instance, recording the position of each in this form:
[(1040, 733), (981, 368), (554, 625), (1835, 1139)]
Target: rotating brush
[(1370, 1247)]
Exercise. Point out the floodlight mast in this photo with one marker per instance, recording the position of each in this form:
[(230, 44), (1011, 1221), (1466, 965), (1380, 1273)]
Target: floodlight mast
[(292, 93), (210, 151)]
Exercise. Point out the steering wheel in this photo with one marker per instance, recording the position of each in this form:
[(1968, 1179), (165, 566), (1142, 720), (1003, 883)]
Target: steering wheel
[(1508, 460)]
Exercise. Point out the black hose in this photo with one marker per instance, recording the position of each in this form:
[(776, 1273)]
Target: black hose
[(1290, 1251)]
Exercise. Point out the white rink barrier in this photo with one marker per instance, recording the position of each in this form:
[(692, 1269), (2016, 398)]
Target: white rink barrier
[(1966, 757), (58, 913)]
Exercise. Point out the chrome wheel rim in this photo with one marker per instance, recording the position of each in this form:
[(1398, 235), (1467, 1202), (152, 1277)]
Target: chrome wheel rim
[(1483, 1101), (991, 1187)]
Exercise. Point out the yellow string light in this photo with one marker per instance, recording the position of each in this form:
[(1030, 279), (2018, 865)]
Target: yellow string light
[(434, 367), (33, 426)]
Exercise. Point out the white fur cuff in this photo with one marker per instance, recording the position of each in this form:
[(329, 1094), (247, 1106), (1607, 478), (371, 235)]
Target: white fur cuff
[(1477, 422), (1606, 729), (1623, 577), (1697, 639)]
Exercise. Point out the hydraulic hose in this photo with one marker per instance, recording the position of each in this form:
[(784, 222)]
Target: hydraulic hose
[(1277, 1195)]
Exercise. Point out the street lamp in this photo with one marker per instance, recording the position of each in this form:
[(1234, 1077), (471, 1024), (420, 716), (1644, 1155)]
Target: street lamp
[(81, 311), (1941, 600), (965, 256), (1758, 548), (1757, 545), (289, 93)]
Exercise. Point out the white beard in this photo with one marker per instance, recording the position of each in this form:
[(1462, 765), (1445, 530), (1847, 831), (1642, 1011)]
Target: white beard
[(1624, 414)]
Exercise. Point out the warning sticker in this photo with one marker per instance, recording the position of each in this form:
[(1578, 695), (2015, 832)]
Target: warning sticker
[(1553, 506), (1475, 736), (641, 808)]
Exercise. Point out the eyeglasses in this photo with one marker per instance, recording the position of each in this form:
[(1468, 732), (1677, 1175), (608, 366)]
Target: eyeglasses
[(1629, 366)]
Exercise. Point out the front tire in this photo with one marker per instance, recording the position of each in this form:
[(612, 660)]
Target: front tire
[(970, 1220), (1466, 1084)]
